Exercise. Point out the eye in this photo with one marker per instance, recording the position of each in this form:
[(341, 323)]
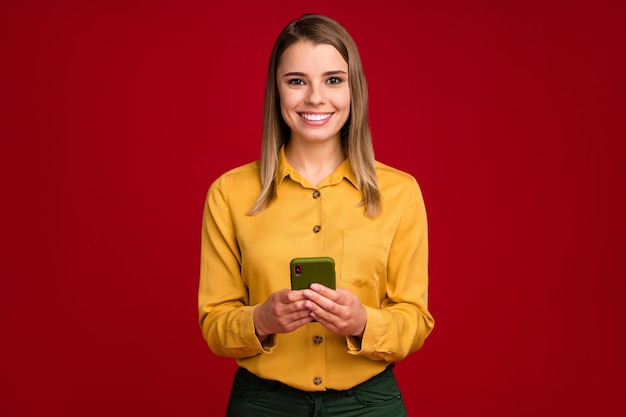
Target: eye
[(334, 80), (295, 81)]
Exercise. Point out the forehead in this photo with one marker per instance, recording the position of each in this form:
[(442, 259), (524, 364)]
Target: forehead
[(306, 56)]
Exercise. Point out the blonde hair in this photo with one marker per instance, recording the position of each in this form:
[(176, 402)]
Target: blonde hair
[(356, 138)]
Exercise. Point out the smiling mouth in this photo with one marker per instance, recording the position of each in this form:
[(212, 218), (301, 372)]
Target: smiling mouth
[(315, 117)]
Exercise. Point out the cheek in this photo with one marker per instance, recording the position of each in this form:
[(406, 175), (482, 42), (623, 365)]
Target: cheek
[(347, 103), (287, 102), (287, 117), (343, 103), (284, 105), (286, 111), (342, 100)]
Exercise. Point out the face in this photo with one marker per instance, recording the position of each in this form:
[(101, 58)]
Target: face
[(314, 92)]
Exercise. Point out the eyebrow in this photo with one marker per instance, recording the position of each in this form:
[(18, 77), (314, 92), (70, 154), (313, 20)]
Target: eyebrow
[(301, 74)]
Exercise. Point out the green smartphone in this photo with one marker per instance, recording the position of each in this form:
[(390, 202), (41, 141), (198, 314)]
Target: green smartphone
[(306, 271)]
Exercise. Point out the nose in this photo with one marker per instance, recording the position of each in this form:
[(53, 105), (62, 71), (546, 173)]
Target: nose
[(315, 94)]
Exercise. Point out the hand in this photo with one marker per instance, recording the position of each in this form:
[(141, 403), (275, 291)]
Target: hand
[(340, 311), (283, 312)]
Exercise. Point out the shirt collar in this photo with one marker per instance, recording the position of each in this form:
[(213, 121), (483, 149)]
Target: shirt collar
[(284, 170)]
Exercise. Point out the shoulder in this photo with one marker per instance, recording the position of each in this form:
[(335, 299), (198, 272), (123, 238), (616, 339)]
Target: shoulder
[(248, 170), (390, 175), (241, 180), (242, 174), (398, 187)]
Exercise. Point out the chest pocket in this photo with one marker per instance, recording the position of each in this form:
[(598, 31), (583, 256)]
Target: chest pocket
[(364, 261)]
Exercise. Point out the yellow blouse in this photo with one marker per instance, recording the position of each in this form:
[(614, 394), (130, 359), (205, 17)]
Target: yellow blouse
[(384, 261)]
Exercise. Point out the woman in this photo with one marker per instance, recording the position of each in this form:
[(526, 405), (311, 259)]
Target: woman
[(316, 191)]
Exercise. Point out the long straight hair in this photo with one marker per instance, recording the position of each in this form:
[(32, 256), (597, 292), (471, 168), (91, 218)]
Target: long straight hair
[(356, 139)]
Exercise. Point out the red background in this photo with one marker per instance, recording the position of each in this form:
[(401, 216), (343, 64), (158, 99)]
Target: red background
[(116, 116)]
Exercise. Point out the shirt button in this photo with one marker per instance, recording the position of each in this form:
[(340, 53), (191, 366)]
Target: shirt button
[(316, 194), (318, 339), (317, 380), (317, 228)]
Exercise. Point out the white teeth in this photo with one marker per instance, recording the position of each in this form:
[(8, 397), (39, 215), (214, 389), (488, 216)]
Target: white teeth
[(315, 117)]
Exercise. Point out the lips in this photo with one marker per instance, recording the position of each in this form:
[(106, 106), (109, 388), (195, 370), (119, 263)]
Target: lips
[(315, 117)]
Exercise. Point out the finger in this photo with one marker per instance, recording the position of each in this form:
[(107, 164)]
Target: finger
[(327, 312), (323, 290), (296, 320), (323, 317), (293, 311), (328, 320), (291, 296), (291, 321), (315, 299)]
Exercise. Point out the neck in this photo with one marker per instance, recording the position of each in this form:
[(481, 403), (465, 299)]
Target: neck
[(314, 161)]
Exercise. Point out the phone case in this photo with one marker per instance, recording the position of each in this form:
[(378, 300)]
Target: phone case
[(306, 271)]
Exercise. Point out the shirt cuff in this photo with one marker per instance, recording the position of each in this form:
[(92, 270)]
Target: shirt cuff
[(251, 339), (367, 343)]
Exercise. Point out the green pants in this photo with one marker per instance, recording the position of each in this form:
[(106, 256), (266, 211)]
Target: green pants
[(252, 396)]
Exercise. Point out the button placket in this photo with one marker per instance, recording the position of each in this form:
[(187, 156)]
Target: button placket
[(316, 194)]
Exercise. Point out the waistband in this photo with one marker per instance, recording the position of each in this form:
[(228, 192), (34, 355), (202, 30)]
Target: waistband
[(244, 374)]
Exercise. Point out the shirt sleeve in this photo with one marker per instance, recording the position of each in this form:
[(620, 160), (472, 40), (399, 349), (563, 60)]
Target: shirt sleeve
[(402, 323), (223, 303)]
